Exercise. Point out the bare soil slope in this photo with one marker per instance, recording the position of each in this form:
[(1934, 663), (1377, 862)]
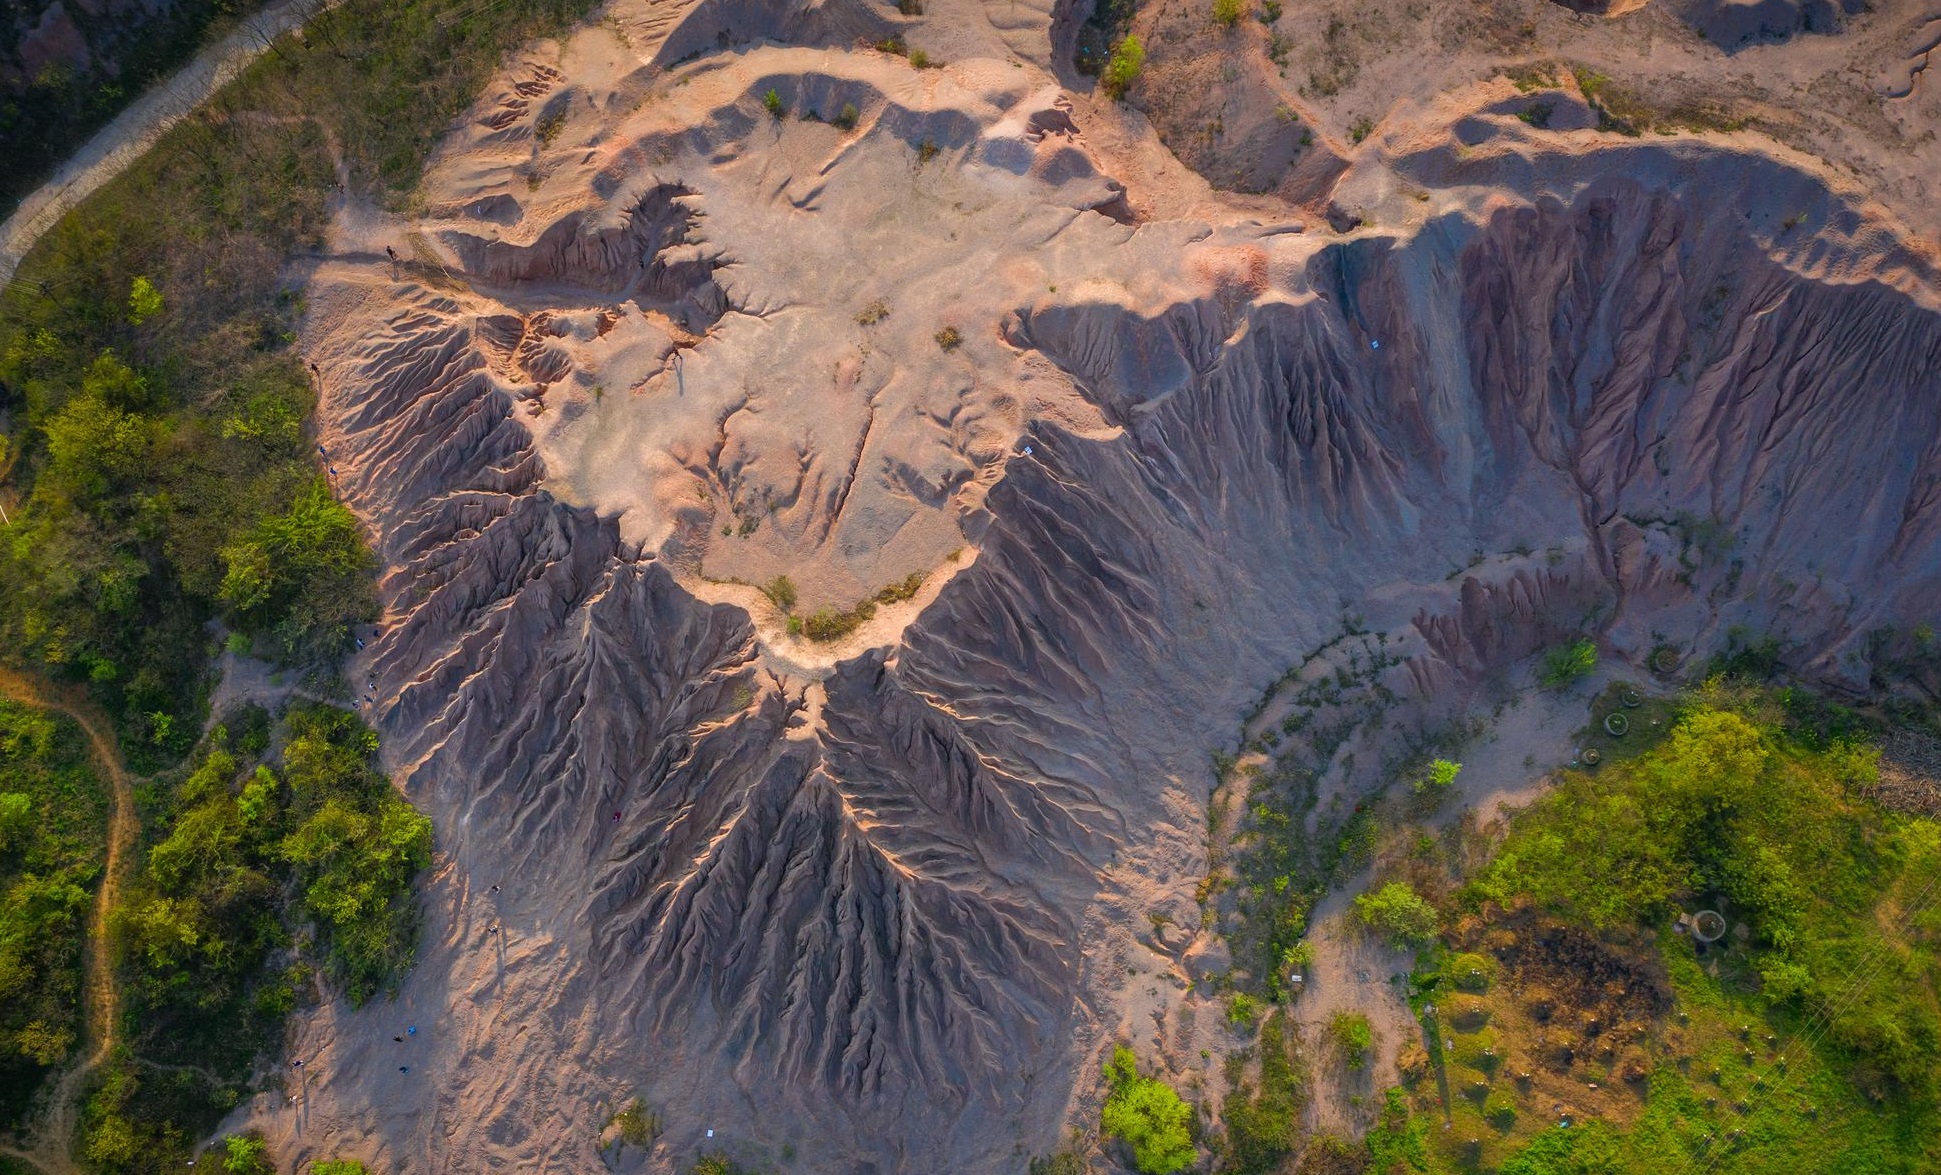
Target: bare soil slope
[(687, 310)]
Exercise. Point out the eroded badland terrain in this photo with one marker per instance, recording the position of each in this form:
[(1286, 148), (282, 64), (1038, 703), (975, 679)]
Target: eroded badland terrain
[(875, 534)]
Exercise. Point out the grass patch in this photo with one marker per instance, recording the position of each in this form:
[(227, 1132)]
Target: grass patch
[(1587, 1033), (828, 624), (1353, 1038), (1623, 110), (1566, 664), (1261, 1117)]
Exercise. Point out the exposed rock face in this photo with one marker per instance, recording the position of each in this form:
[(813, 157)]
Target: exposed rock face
[(851, 901)]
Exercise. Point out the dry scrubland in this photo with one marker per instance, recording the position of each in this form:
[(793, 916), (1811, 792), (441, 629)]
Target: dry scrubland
[(833, 478)]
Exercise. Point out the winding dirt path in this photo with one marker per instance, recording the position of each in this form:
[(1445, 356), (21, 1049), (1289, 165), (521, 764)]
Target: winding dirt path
[(51, 1142), (115, 146)]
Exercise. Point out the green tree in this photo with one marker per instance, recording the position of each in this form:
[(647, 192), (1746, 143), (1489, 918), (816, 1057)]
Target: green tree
[(243, 1154), (144, 300), (1148, 1115), (1442, 776), (1227, 13), (117, 383), (1122, 69), (93, 447), (302, 575), (339, 1167), (1399, 913)]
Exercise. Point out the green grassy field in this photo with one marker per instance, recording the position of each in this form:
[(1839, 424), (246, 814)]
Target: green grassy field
[(1576, 1030)]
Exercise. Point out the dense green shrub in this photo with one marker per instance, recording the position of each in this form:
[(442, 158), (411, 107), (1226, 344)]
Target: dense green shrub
[(1122, 69), (156, 409), (243, 1154), (1440, 778), (314, 854), (1147, 1115), (53, 816), (1398, 913)]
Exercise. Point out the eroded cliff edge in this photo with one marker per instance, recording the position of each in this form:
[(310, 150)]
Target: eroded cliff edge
[(873, 902)]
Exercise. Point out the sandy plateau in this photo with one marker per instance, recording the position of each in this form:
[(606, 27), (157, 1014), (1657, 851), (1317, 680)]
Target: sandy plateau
[(1129, 414)]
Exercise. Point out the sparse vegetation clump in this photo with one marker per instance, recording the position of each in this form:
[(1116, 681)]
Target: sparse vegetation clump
[(827, 624), (549, 124), (1060, 1163), (877, 310), (1566, 664), (772, 102), (1148, 1116), (1353, 1038), (1227, 13), (1122, 68), (949, 339), (781, 592), (902, 590), (636, 1124), (1626, 110), (1262, 1117)]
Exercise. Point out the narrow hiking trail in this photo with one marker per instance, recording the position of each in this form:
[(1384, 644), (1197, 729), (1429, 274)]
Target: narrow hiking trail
[(116, 146), (51, 1139)]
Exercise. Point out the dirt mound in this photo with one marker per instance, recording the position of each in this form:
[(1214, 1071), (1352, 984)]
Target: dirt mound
[(788, 311)]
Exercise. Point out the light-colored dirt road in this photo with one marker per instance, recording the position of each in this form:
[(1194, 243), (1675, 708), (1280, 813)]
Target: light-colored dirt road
[(52, 1138), (117, 145)]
